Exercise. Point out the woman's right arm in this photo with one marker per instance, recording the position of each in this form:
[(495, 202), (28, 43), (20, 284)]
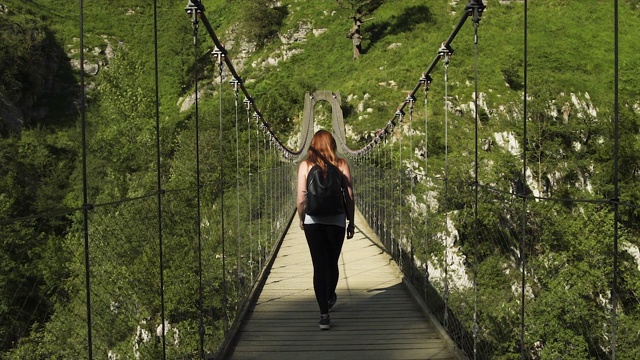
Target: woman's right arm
[(346, 171), (301, 194)]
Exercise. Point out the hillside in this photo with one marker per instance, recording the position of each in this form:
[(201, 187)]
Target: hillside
[(570, 51), (283, 50)]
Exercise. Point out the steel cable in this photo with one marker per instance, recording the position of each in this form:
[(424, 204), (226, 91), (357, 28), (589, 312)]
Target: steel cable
[(235, 82), (225, 296), (159, 180), (201, 328), (85, 189), (524, 177), (446, 55)]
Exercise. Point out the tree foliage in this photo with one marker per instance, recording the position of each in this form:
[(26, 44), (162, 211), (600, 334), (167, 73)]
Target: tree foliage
[(261, 20), (360, 8)]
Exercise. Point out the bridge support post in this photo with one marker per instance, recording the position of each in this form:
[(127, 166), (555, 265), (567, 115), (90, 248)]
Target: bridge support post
[(337, 118)]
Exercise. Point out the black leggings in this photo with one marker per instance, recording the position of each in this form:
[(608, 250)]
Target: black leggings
[(325, 243)]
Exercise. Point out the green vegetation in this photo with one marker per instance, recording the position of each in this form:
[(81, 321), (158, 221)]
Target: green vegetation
[(261, 20), (281, 52)]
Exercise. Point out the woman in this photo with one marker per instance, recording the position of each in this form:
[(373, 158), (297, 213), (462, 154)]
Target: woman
[(325, 233)]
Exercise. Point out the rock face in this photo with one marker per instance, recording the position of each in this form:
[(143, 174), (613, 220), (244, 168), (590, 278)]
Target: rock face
[(31, 103), (89, 68), (10, 115), (42, 77), (34, 68)]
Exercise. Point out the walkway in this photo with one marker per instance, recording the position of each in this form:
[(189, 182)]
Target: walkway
[(375, 316)]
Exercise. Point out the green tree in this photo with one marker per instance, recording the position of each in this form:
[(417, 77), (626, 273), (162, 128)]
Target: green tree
[(360, 8), (261, 20), (574, 265)]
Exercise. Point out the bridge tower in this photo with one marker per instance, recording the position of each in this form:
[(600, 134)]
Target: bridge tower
[(337, 119)]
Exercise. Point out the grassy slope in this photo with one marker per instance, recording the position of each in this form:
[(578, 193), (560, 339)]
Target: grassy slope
[(570, 47), (570, 50)]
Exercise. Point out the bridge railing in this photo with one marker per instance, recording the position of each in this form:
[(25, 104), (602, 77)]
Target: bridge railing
[(506, 271), (168, 273), (157, 260)]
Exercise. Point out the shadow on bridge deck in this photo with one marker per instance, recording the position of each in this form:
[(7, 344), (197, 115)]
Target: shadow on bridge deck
[(375, 316)]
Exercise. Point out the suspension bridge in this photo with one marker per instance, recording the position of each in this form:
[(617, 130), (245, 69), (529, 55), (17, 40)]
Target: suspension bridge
[(443, 265), (376, 316)]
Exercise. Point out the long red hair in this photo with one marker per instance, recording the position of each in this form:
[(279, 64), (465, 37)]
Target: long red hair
[(323, 148)]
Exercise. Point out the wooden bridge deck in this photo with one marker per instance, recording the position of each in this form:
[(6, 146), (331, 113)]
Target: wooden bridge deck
[(375, 316)]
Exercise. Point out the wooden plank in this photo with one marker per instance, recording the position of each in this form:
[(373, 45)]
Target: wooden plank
[(317, 346), (328, 354), (375, 317), (355, 337)]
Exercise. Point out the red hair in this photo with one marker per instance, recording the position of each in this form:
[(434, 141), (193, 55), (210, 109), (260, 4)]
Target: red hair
[(323, 148)]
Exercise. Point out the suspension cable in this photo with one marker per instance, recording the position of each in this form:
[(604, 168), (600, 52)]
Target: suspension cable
[(387, 195), (250, 177), (271, 198), (411, 100), (524, 177), (400, 116), (265, 170), (235, 83), (194, 13), (85, 188), (361, 159), (475, 330), (616, 183), (259, 191), (159, 180), (218, 55), (371, 158), (426, 80), (446, 55), (378, 195)]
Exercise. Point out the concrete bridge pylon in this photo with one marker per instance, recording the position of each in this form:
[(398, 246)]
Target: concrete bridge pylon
[(337, 119)]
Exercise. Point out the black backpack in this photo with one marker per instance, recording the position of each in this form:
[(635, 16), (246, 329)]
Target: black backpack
[(325, 191)]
